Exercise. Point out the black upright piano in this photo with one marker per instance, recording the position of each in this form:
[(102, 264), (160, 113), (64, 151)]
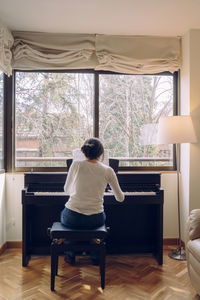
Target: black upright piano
[(136, 225)]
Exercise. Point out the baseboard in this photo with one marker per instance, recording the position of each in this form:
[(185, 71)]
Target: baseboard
[(18, 244), (9, 245), (14, 244), (3, 248), (170, 241)]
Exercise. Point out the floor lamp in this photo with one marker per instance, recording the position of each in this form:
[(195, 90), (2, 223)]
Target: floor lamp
[(176, 130)]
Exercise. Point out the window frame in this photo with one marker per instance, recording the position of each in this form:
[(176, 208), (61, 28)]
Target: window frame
[(9, 129), (2, 170)]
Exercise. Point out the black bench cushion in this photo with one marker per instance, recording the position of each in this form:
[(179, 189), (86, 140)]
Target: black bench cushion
[(59, 231)]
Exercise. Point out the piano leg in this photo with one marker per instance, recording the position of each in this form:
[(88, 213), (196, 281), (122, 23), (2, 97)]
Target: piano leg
[(25, 235), (159, 236), (25, 260)]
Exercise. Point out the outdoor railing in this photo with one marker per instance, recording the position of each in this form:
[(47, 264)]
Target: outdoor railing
[(119, 158), (61, 161)]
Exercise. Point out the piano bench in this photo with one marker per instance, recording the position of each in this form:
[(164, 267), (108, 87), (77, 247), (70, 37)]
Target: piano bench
[(82, 239)]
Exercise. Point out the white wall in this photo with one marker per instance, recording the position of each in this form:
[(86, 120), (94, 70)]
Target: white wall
[(15, 183), (169, 184), (190, 104), (2, 210), (185, 148), (195, 112)]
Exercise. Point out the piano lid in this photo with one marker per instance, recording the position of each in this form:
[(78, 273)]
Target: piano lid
[(123, 177), (54, 181)]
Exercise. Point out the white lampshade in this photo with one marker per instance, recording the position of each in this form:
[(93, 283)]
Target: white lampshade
[(176, 129)]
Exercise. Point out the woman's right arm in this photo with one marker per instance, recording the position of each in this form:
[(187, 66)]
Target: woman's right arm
[(114, 184), (70, 177)]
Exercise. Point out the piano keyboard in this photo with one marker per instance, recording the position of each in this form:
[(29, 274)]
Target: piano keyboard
[(139, 193), (136, 193), (50, 194)]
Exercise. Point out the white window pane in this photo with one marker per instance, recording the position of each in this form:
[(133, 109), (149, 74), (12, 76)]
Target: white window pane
[(130, 108), (53, 116)]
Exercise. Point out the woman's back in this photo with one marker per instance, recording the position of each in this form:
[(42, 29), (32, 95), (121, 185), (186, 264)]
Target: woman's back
[(86, 185)]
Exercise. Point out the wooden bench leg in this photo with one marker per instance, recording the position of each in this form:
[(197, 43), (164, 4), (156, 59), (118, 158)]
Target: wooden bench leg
[(102, 264), (54, 266)]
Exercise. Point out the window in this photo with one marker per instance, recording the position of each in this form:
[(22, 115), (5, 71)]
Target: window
[(130, 108), (1, 121), (54, 114), (56, 111)]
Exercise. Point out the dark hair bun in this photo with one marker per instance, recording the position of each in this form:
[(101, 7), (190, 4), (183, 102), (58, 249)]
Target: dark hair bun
[(92, 148)]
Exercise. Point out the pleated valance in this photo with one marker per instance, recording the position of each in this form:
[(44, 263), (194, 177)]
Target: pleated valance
[(35, 51), (122, 54), (6, 42), (138, 54)]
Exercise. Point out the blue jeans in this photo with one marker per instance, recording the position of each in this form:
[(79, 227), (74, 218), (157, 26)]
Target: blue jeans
[(74, 220)]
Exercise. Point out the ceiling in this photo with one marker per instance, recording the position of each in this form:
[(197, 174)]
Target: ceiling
[(131, 17)]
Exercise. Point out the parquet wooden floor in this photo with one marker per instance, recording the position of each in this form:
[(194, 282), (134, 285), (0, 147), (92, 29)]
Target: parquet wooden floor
[(128, 277)]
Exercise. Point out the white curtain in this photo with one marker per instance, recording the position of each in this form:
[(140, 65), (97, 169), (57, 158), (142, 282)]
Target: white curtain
[(34, 50), (6, 42), (124, 54), (138, 54)]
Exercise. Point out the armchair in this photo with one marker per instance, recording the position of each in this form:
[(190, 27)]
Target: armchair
[(193, 248)]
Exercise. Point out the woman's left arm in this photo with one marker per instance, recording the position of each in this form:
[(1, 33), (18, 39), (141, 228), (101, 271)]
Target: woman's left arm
[(113, 182)]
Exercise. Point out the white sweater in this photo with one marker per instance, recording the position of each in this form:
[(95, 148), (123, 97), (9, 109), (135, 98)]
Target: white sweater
[(86, 183)]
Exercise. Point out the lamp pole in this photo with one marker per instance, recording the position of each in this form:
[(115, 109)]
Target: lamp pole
[(179, 253)]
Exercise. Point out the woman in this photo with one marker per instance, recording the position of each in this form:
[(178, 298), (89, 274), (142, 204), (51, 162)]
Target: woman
[(86, 183)]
